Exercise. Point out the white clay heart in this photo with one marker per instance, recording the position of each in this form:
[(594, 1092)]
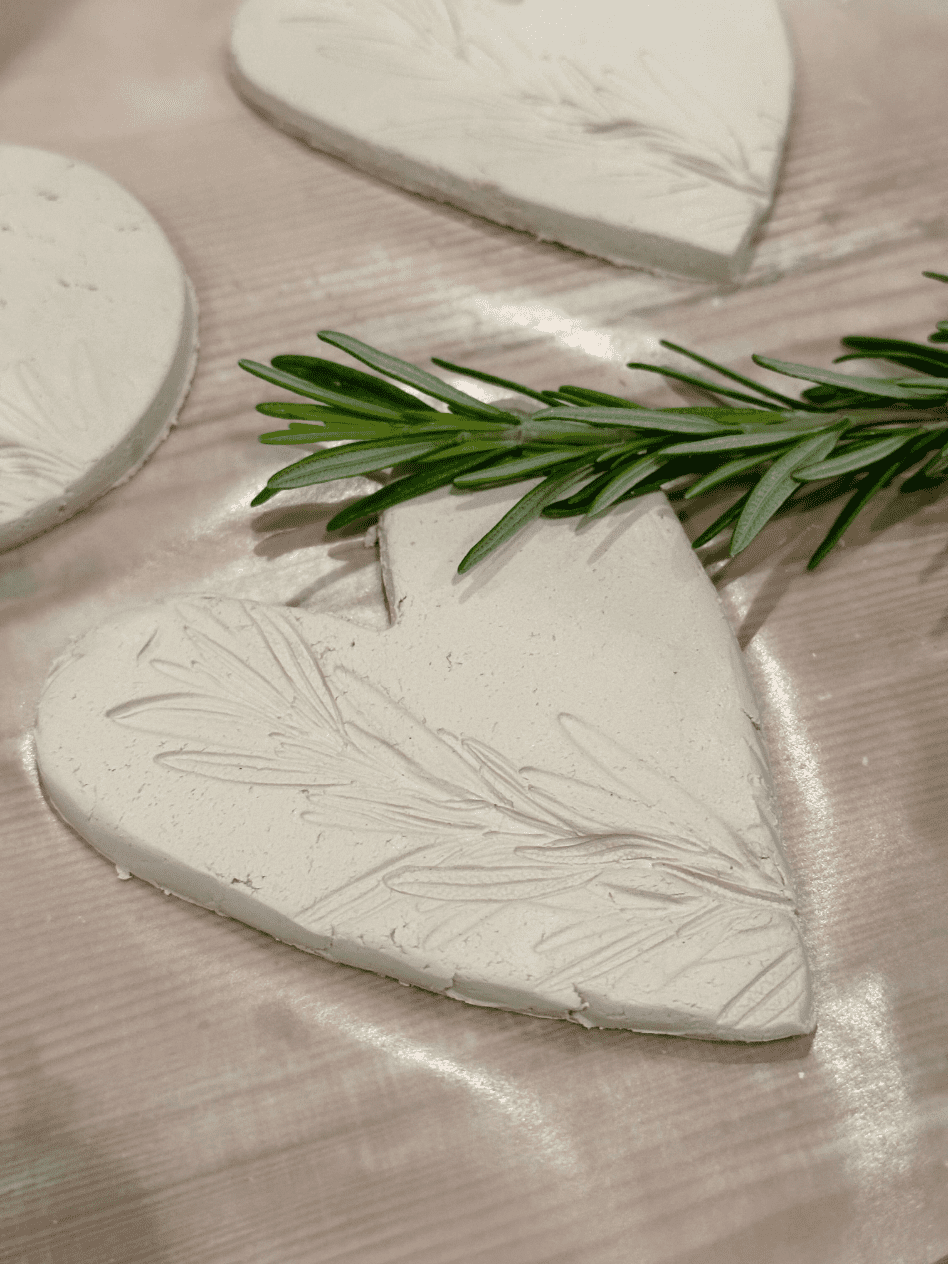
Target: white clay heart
[(541, 789), (647, 133), (98, 338)]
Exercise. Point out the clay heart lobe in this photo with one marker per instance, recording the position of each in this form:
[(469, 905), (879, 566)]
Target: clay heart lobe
[(646, 134), (541, 788)]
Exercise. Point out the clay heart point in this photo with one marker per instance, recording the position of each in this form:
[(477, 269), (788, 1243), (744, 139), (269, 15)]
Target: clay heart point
[(542, 788)]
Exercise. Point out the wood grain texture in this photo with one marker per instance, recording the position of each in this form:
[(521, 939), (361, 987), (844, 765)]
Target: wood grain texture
[(176, 1087)]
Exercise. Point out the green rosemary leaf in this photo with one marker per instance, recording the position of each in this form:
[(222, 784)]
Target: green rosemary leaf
[(690, 380), (352, 459), (537, 429), (854, 458), (725, 472), (938, 465), (920, 363), (490, 378), (623, 480), (936, 276), (438, 472), (888, 348), (768, 437), (516, 468), (722, 522), (674, 421), (348, 381), (578, 502), (323, 413), (584, 395), (528, 507), (777, 485), (874, 481), (263, 496), (347, 403), (327, 434), (921, 480), (304, 412), (450, 425), (889, 388), (410, 374), (786, 400), (832, 398), (941, 332)]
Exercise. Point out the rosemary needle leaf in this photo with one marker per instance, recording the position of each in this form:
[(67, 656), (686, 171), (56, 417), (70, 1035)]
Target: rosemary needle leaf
[(303, 412), (573, 505), (729, 373), (725, 472), (768, 437), (327, 434), (410, 374), (352, 459), (874, 482), (438, 473), (528, 507), (938, 465), (890, 348), (517, 468), (920, 363), (936, 276), (321, 413), (854, 458), (640, 419), (777, 485), (702, 384), (290, 382), (490, 378), (584, 395), (889, 388), (263, 496), (349, 381), (624, 480), (721, 523)]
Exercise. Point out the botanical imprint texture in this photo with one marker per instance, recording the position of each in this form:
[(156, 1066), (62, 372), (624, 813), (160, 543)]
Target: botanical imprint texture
[(45, 429), (473, 836), (637, 106)]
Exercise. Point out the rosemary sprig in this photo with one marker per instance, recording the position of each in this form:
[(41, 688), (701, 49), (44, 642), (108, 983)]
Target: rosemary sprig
[(591, 450)]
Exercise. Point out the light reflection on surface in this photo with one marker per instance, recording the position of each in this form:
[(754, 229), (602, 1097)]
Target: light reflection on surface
[(788, 731), (527, 1123), (878, 1122), (524, 1109), (567, 330)]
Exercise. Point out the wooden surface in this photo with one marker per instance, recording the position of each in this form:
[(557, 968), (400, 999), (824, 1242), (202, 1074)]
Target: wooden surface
[(175, 1087)]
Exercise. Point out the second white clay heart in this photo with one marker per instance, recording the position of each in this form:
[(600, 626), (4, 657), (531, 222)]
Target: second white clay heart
[(541, 789), (647, 133)]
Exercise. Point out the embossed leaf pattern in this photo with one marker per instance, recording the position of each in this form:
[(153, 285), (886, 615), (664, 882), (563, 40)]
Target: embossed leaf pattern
[(658, 110), (43, 430), (254, 705)]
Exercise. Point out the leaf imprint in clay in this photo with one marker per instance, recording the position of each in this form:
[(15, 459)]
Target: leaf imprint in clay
[(98, 338), (541, 788), (646, 133)]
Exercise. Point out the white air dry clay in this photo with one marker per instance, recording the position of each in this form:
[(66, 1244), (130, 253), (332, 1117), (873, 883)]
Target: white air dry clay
[(541, 789), (98, 338), (646, 133)]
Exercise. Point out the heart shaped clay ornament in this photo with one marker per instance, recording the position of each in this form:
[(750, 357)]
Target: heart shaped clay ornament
[(542, 788), (98, 338), (646, 133)]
